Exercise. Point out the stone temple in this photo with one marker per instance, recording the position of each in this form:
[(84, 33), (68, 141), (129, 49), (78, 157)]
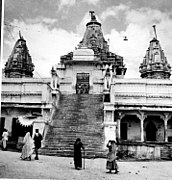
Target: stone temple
[(87, 96)]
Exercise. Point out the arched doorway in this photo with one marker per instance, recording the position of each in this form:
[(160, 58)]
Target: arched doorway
[(18, 130), (151, 131)]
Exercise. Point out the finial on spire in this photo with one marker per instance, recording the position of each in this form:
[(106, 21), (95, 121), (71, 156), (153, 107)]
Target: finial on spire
[(20, 34), (92, 15), (154, 28), (21, 37)]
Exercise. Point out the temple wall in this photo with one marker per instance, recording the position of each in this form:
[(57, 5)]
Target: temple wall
[(25, 91), (142, 91), (68, 78), (140, 151), (24, 96)]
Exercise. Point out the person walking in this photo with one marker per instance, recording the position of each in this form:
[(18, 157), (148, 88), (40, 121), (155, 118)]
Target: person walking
[(37, 141), (111, 157), (28, 147), (77, 154), (4, 140)]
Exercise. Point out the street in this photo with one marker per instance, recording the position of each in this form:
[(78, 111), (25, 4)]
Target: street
[(50, 167)]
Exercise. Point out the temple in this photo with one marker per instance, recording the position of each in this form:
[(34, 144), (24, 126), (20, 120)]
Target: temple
[(88, 97)]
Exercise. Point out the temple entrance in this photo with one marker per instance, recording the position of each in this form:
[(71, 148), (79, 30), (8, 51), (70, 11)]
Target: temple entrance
[(151, 131), (82, 83)]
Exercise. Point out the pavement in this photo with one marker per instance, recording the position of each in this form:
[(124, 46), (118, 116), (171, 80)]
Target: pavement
[(62, 168)]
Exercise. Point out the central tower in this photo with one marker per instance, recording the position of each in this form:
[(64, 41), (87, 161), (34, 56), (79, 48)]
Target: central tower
[(90, 68), (93, 37)]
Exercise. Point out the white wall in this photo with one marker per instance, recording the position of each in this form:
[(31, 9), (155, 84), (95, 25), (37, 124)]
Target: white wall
[(142, 91), (68, 77)]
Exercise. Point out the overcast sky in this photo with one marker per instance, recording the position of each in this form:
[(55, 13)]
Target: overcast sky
[(53, 28)]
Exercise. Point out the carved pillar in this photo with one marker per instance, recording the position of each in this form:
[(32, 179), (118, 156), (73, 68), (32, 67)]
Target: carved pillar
[(120, 116), (142, 117), (166, 117), (165, 130), (119, 128), (142, 130)]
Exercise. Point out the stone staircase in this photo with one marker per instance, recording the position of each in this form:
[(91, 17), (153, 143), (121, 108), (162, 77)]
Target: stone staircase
[(78, 115)]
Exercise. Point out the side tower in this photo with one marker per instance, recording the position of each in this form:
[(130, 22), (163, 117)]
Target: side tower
[(19, 63), (155, 65), (26, 102)]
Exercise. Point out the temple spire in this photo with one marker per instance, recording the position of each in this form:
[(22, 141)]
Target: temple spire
[(93, 37), (19, 63), (155, 65)]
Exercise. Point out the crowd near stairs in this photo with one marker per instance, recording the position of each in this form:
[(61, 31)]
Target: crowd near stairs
[(78, 116)]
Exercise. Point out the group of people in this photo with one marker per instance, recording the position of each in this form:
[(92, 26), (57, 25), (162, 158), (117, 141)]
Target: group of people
[(31, 145), (111, 156)]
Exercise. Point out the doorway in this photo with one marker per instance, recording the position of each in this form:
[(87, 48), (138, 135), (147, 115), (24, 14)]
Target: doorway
[(151, 131), (82, 83), (18, 130)]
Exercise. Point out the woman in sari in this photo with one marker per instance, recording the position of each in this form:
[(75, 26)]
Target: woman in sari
[(28, 147), (111, 157), (77, 154)]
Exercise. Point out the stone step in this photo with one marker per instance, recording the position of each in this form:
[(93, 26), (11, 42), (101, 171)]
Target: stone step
[(77, 116), (69, 153)]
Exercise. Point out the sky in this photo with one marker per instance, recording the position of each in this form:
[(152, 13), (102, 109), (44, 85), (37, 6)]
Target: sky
[(53, 28)]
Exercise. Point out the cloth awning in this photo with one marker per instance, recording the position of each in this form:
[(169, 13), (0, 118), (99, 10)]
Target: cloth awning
[(25, 121)]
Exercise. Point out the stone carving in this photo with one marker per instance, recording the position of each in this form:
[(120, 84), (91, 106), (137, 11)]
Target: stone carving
[(107, 74), (82, 85), (54, 79), (82, 88)]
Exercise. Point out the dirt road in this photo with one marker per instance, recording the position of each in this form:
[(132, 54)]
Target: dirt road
[(49, 167)]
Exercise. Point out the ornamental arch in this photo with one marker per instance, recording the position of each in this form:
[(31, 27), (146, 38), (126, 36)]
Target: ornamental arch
[(130, 128), (153, 128)]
